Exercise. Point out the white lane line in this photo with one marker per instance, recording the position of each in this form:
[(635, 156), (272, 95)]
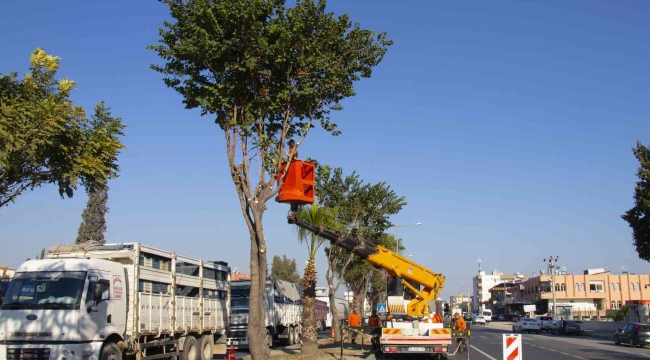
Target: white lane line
[(483, 352), (579, 357), (563, 353)]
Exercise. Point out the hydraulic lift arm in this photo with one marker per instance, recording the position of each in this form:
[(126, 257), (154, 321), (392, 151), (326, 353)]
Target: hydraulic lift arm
[(381, 257)]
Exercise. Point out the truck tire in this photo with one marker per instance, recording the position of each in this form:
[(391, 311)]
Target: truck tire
[(205, 347), (191, 349), (292, 336), (110, 351), (269, 338)]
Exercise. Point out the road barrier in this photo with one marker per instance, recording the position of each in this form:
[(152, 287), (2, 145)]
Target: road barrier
[(512, 347)]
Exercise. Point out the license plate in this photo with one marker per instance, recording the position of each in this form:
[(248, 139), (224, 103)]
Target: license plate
[(421, 349)]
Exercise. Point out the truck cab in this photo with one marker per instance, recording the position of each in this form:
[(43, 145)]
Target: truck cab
[(56, 307)]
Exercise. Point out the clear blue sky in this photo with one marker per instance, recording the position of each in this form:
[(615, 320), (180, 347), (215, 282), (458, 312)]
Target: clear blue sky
[(507, 125)]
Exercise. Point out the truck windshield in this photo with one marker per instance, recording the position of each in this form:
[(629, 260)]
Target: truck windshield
[(238, 303), (50, 290)]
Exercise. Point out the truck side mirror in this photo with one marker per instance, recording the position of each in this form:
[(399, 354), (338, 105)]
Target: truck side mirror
[(97, 292)]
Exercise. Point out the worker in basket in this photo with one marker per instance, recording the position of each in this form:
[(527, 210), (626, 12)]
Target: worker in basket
[(293, 150), (460, 326), (374, 320)]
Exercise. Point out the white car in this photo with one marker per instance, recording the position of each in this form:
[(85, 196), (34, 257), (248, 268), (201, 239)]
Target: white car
[(527, 324), (478, 320)]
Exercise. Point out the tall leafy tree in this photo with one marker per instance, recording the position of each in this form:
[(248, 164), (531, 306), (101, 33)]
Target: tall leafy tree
[(367, 209), (283, 268), (638, 217), (46, 139), (93, 218), (322, 216), (264, 73), (363, 209)]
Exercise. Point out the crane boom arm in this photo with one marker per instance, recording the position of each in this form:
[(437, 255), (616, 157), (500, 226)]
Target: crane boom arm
[(381, 257)]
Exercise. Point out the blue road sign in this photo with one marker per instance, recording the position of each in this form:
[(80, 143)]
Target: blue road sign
[(381, 308)]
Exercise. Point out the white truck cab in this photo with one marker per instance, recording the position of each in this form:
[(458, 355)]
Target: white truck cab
[(56, 308), (113, 301)]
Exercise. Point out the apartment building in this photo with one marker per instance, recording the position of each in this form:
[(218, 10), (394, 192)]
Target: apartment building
[(483, 283), (596, 291)]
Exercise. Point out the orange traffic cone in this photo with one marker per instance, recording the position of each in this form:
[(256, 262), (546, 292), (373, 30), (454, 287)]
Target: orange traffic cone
[(332, 334), (231, 352)]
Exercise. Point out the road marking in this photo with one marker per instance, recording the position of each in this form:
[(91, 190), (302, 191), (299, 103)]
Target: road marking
[(579, 357), (483, 352), (563, 353)]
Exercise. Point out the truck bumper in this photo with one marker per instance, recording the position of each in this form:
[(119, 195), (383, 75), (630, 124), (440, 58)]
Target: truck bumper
[(414, 346), (237, 343), (84, 351)]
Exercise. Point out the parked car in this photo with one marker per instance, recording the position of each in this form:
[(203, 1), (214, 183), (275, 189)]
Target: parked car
[(502, 317), (546, 323), (480, 320), (568, 327), (527, 324), (634, 334)]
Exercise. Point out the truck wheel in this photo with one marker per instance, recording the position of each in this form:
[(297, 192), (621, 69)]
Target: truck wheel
[(191, 349), (292, 336), (205, 345), (269, 338), (110, 351)]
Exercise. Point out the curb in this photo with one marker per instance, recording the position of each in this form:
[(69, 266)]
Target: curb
[(598, 336)]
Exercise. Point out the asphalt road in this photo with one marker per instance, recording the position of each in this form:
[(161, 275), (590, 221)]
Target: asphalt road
[(486, 343)]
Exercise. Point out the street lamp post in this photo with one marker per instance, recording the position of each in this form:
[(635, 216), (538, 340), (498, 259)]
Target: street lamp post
[(397, 234), (551, 265)]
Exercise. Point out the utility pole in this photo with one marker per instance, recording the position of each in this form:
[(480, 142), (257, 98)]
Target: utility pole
[(397, 234), (551, 266)]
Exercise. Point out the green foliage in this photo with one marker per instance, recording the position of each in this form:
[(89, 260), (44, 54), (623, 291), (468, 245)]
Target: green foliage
[(364, 209), (618, 315), (265, 72), (93, 218), (316, 215), (45, 138), (42, 254), (638, 217), (285, 269)]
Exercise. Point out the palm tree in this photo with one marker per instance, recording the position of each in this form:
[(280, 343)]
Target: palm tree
[(318, 216)]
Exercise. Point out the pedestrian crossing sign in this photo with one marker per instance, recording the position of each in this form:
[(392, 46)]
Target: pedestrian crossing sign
[(381, 308)]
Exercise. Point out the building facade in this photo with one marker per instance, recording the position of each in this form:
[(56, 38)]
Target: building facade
[(594, 292), (483, 283), (6, 272)]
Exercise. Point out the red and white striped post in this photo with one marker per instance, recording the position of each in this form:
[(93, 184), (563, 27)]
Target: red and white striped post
[(512, 347)]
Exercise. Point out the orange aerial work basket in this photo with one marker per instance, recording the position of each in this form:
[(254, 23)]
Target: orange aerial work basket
[(298, 185)]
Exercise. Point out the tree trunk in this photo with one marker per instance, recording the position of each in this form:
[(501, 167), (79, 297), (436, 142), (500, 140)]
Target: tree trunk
[(257, 314), (336, 322), (359, 295), (309, 333)]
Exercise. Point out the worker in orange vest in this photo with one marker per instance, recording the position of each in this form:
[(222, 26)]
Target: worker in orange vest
[(460, 326), (354, 320), (374, 320)]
